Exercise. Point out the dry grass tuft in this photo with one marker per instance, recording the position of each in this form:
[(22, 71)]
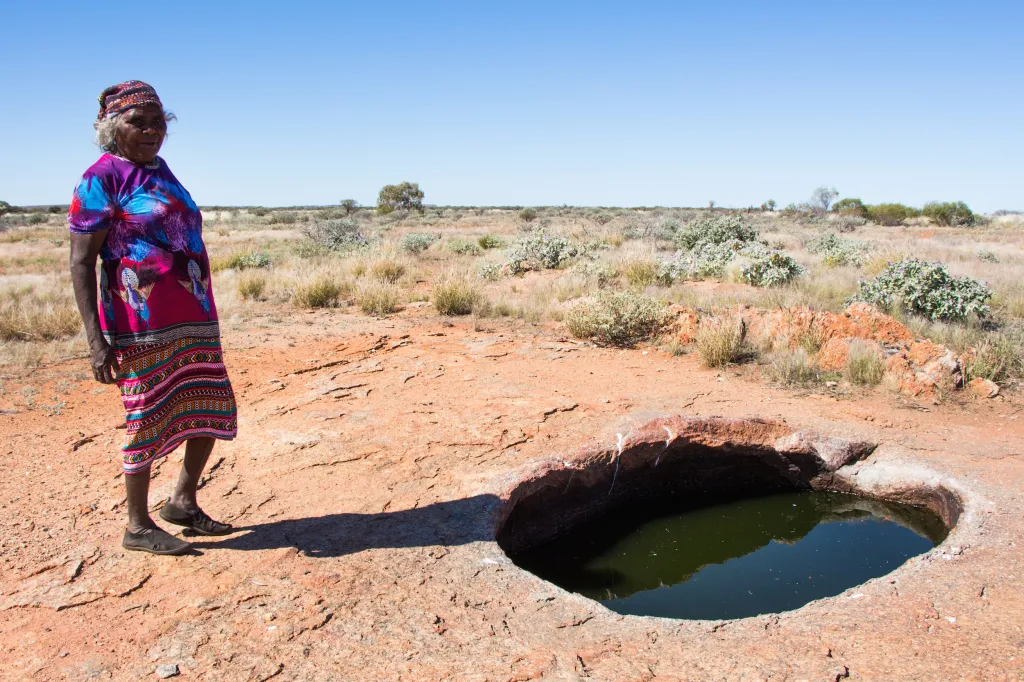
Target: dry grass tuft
[(25, 316), (321, 292), (378, 298), (641, 272), (251, 286), (721, 340), (387, 270), (793, 368), (865, 365), (456, 295)]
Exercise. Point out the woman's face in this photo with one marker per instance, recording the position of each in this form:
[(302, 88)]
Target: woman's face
[(140, 132)]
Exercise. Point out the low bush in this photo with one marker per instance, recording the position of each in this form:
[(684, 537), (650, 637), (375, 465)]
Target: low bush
[(850, 206), (335, 235), (704, 261), (604, 273), (321, 292), (251, 286), (721, 340), (377, 297), (865, 365), (538, 250), (926, 289), (988, 256), (259, 211), (891, 215), (463, 247), (713, 230), (491, 272), (617, 318), (769, 268), (455, 295), (835, 250), (417, 242), (242, 261), (528, 215), (489, 241), (283, 218), (949, 214)]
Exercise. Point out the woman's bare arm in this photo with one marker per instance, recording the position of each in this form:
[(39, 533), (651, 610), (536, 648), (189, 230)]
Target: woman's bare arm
[(85, 248)]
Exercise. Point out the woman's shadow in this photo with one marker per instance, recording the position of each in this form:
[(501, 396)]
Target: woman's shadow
[(454, 522)]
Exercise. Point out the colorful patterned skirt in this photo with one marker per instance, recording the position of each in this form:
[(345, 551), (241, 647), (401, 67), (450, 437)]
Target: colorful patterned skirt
[(173, 392)]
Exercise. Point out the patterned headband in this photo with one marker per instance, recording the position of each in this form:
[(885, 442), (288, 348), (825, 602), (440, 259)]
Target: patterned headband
[(124, 96)]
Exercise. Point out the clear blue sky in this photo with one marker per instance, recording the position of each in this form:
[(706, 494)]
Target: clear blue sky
[(532, 103)]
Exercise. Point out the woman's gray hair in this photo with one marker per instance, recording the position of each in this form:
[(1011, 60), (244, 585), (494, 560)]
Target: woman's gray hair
[(106, 130)]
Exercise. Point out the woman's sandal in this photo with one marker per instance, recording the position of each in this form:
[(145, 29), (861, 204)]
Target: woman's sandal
[(155, 541), (197, 521)]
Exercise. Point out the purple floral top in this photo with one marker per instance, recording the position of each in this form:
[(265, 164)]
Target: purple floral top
[(155, 274)]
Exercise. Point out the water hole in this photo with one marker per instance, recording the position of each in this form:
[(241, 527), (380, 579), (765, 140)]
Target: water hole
[(737, 559)]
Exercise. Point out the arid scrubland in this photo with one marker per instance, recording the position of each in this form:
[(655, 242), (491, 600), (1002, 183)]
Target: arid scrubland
[(610, 275)]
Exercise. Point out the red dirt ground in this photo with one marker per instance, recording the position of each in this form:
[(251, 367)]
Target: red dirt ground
[(364, 485)]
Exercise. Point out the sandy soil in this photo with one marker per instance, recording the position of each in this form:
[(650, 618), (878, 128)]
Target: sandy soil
[(366, 478)]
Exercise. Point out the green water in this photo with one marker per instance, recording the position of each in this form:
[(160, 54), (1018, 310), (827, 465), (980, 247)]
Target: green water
[(756, 555)]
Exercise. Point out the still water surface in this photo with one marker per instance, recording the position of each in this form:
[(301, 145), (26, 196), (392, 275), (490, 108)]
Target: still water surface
[(752, 556)]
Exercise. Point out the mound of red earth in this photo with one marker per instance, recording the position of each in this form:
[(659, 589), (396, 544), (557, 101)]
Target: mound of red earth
[(917, 366)]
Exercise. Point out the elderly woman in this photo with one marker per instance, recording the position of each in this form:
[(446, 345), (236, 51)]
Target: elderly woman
[(153, 328)]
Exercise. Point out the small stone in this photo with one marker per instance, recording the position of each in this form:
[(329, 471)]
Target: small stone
[(168, 670), (267, 617), (983, 388)]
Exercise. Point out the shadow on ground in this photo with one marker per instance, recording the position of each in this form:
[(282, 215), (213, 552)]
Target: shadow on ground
[(455, 522)]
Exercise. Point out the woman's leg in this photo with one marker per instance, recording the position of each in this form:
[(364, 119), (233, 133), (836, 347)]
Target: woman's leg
[(137, 492), (197, 453)]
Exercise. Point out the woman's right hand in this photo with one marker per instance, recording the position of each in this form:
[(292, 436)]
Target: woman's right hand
[(104, 364)]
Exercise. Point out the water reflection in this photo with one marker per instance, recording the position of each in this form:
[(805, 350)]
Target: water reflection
[(757, 555)]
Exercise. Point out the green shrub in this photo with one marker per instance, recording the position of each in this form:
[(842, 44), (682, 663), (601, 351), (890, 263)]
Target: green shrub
[(891, 215), (714, 230), (617, 318), (489, 241), (242, 261), (835, 250), (769, 268), (335, 235), (528, 215), (604, 273), (349, 206), (926, 289), (850, 206), (455, 295), (36, 219), (950, 213), (865, 365), (463, 247), (988, 256), (259, 211), (539, 251), (705, 260), (491, 272), (322, 292), (417, 243), (721, 340)]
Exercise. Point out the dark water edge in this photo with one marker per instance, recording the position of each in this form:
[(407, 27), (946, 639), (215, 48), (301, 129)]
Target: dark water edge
[(738, 559)]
